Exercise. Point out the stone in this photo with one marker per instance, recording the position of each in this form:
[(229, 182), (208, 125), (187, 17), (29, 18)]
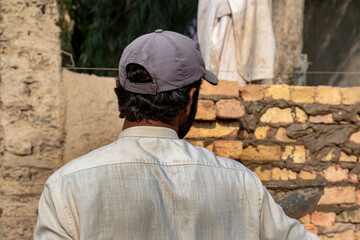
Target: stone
[(282, 174), (261, 153), (229, 109), (277, 115), (281, 136), (300, 115), (338, 195), (261, 132), (295, 153), (299, 94), (351, 96), (327, 119), (252, 92), (349, 216), (263, 174), (347, 158), (355, 137), (336, 174), (323, 219), (224, 88), (328, 95), (206, 110), (277, 92), (214, 130), (305, 175), (228, 149)]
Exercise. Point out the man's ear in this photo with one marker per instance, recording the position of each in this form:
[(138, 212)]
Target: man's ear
[(191, 98), (117, 82)]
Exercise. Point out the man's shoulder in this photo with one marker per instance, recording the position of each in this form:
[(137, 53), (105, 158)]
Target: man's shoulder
[(100, 156)]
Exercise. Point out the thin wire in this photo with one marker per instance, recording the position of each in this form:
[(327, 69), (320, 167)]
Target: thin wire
[(307, 72)]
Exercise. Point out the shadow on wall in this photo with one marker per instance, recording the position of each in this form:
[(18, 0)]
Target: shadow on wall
[(332, 41), (92, 117)]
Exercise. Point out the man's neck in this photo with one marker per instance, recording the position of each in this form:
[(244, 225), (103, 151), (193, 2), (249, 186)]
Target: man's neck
[(148, 122)]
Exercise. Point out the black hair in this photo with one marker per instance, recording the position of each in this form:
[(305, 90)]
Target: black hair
[(163, 106)]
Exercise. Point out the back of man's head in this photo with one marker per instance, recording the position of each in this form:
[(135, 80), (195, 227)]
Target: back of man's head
[(156, 73)]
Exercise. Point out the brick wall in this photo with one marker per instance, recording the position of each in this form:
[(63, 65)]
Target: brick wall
[(31, 112), (291, 135)]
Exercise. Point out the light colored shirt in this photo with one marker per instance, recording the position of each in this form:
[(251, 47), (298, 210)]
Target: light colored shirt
[(151, 185)]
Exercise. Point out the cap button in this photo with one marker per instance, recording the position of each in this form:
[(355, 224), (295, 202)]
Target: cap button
[(159, 30)]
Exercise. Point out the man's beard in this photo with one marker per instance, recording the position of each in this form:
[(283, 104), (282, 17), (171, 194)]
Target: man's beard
[(185, 127)]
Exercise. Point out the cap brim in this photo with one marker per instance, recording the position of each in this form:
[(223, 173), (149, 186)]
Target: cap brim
[(211, 77)]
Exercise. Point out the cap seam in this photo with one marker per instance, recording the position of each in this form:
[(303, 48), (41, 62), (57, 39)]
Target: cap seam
[(182, 64)]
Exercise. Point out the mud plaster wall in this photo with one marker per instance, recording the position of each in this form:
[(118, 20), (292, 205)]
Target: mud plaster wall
[(91, 117), (291, 135), (31, 110), (47, 117)]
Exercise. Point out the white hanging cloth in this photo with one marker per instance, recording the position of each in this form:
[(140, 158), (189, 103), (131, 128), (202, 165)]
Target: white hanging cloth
[(236, 38)]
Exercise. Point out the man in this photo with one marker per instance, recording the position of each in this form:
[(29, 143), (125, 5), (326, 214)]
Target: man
[(151, 184)]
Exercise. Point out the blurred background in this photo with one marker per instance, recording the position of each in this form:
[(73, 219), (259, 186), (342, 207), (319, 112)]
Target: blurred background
[(327, 32)]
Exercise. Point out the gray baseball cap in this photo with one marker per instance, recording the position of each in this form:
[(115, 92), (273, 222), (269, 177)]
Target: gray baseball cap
[(172, 60)]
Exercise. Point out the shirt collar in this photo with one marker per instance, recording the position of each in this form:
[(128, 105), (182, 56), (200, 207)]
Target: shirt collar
[(150, 132)]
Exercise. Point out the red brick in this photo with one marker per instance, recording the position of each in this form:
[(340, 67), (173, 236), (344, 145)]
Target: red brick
[(262, 132), (224, 88), (252, 92), (328, 95), (302, 94), (305, 175), (277, 115), (336, 174), (214, 130), (282, 174), (338, 195), (261, 153), (305, 219), (323, 219), (355, 137), (276, 92), (243, 134), (350, 95), (327, 156), (357, 197), (282, 137), (206, 110), (347, 158), (263, 174), (311, 229), (328, 119), (296, 153), (354, 178), (300, 115), (229, 109), (229, 149)]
